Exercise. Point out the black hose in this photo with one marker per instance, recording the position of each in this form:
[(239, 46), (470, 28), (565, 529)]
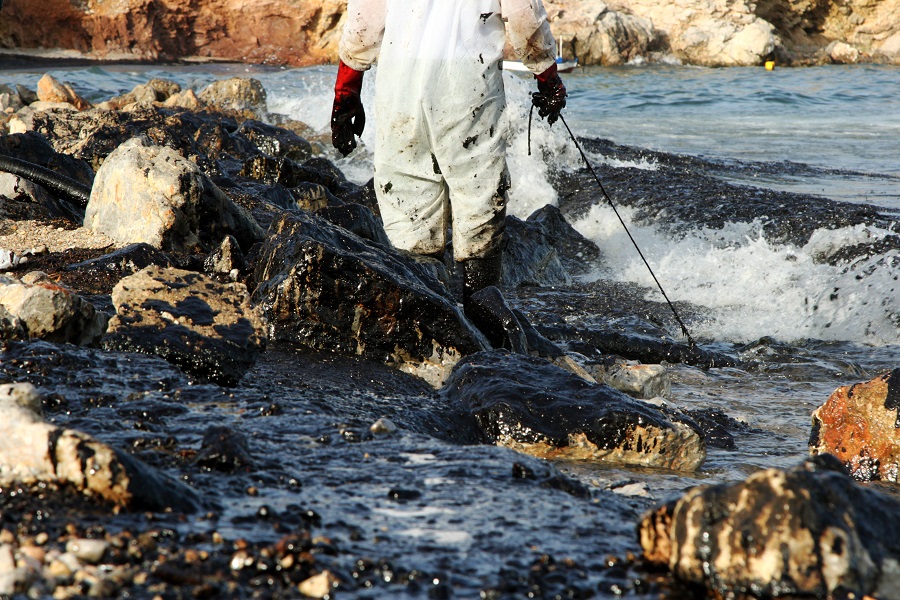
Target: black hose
[(66, 186)]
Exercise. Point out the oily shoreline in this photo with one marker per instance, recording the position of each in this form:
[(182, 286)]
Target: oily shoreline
[(324, 473)]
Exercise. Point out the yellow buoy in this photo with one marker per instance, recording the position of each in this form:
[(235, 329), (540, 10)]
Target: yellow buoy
[(770, 64)]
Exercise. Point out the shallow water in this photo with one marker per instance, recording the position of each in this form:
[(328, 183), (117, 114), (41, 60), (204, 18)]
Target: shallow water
[(803, 327)]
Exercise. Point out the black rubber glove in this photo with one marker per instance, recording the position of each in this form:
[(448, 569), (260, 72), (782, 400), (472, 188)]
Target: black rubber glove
[(550, 98), (348, 118)]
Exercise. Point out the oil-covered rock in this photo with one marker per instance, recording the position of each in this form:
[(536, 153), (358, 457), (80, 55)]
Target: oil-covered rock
[(329, 289), (809, 530), (208, 329), (859, 425), (34, 452), (533, 406)]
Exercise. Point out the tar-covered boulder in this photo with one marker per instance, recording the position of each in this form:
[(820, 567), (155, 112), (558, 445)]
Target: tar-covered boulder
[(860, 424), (809, 530), (207, 329), (152, 194), (276, 141), (545, 250), (529, 257), (329, 289), (47, 310), (530, 405), (33, 451)]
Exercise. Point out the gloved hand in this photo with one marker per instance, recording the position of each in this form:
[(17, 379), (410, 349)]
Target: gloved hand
[(347, 114), (550, 98)]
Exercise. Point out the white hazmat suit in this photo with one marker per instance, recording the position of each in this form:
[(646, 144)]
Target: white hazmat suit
[(440, 145)]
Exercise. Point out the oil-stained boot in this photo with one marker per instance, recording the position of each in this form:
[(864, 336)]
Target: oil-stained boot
[(479, 273)]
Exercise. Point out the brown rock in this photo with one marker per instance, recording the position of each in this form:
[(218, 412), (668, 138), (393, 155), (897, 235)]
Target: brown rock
[(809, 530), (274, 32), (859, 425), (186, 99), (51, 90), (240, 94)]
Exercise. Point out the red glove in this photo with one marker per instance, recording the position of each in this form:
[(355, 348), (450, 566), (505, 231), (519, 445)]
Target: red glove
[(550, 98), (347, 114)]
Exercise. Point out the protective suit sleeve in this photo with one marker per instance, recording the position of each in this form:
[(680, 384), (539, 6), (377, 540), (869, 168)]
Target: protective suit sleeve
[(529, 33), (363, 32)]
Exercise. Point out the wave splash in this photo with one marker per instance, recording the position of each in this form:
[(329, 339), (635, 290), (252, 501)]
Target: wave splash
[(752, 288)]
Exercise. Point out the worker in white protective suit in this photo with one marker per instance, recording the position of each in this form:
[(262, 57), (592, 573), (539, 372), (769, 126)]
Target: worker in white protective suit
[(440, 149)]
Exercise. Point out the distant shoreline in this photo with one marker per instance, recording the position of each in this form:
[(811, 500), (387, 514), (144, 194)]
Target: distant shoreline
[(18, 58), (12, 59)]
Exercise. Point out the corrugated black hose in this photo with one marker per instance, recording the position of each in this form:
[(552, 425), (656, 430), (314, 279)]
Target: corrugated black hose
[(73, 190)]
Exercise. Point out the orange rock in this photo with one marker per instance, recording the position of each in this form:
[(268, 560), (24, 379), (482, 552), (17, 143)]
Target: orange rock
[(49, 89), (859, 425), (271, 32)]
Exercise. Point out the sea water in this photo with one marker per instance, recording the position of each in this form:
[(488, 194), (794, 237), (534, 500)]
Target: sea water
[(844, 121)]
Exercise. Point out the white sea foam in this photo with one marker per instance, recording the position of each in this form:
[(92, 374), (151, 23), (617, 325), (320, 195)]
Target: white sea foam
[(753, 288)]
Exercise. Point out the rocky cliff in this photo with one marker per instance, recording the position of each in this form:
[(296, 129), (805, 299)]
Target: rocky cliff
[(304, 32)]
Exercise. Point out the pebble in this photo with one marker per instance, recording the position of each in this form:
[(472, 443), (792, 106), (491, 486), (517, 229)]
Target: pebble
[(7, 570), (69, 562), (88, 551), (241, 560), (383, 426), (317, 586), (58, 569), (34, 552)]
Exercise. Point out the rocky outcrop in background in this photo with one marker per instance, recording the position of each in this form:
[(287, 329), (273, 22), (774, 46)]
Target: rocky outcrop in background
[(290, 32)]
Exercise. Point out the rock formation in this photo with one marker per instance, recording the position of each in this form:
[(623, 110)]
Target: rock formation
[(809, 530), (534, 407), (208, 329), (277, 32), (859, 425), (32, 450), (290, 32)]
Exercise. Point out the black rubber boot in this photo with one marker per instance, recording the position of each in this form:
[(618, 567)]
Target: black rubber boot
[(479, 273), (489, 312)]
